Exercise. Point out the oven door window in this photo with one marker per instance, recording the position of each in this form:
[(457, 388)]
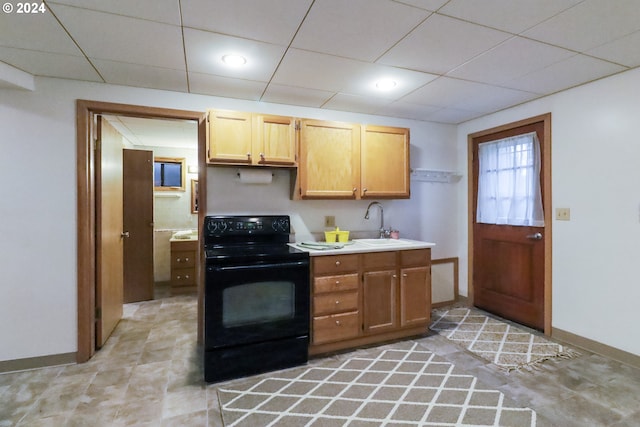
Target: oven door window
[(255, 303), (258, 302)]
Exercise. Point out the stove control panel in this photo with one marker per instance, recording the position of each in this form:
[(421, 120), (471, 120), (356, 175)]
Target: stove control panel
[(242, 225)]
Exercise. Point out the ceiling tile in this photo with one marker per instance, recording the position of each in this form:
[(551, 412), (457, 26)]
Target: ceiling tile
[(356, 104), (442, 92), (487, 99), (406, 81), (360, 29), (50, 64), (513, 58), (205, 50), (407, 110), (623, 51), (440, 44), (39, 32), (119, 38), (142, 75), (453, 116), (506, 15), (207, 84), (589, 24), (271, 21), (282, 94), (165, 11), (431, 5), (571, 72), (317, 71)]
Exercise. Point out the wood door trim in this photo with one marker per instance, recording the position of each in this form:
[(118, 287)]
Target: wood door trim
[(546, 202), (86, 209)]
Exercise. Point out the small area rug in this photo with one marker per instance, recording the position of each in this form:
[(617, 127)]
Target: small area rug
[(402, 384), (500, 343)]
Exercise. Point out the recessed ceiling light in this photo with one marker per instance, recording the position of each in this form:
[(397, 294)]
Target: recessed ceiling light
[(234, 60), (386, 84)]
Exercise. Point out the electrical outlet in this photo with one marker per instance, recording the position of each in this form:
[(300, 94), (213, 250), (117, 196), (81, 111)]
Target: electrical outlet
[(563, 214), (330, 221)]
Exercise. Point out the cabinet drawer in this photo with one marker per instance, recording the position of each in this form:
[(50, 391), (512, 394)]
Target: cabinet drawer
[(335, 302), (335, 283), (330, 264), (415, 257), (183, 259), (183, 277), (379, 260), (335, 328)]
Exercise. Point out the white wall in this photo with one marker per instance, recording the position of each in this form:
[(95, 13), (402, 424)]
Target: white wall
[(38, 286), (595, 173)]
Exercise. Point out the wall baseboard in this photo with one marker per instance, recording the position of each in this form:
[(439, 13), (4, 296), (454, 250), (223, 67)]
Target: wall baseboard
[(37, 362), (596, 347)]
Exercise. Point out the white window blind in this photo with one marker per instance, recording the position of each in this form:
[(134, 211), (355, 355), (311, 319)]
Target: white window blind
[(509, 181)]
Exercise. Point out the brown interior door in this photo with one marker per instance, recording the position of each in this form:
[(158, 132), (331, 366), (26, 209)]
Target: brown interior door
[(509, 261), (109, 235), (138, 222)]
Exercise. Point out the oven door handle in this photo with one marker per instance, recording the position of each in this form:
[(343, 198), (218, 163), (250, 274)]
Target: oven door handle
[(296, 264)]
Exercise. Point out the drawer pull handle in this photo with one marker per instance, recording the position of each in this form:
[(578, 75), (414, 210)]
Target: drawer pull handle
[(179, 277), (186, 277), (337, 302), (337, 262), (404, 275), (337, 282), (337, 323)]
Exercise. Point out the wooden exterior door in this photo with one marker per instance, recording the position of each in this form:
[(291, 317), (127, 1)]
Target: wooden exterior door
[(109, 225), (510, 264), (138, 223)]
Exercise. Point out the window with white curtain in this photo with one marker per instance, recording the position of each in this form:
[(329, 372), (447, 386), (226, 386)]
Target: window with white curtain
[(509, 182)]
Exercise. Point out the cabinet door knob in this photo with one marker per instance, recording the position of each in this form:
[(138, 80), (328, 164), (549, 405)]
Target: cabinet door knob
[(178, 259), (186, 260), (337, 282), (404, 274), (337, 323), (355, 190), (337, 302), (249, 156), (179, 277), (394, 276), (186, 277), (337, 262), (364, 190)]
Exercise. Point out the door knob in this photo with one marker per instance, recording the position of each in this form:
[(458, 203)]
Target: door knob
[(535, 236), (124, 234)]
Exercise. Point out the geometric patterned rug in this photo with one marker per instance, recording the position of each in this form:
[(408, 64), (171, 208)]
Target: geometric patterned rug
[(397, 385), (502, 344)]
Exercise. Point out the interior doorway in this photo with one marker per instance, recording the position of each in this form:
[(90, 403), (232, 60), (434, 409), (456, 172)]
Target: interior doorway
[(88, 262), (510, 265)]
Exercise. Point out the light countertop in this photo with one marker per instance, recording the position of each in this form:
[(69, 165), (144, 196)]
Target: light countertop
[(360, 246)]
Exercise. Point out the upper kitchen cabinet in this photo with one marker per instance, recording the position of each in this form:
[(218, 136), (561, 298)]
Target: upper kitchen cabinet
[(329, 164), (384, 171), (237, 138)]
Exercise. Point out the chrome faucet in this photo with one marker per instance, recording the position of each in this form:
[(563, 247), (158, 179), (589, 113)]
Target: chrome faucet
[(383, 233)]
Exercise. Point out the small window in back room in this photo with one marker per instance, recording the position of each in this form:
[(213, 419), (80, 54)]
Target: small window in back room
[(168, 174)]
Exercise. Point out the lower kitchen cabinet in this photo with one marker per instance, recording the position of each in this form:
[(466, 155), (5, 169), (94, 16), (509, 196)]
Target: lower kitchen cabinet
[(183, 266), (366, 298)]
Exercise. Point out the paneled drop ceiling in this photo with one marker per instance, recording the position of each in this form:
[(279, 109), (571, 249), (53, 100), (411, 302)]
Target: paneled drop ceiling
[(451, 60)]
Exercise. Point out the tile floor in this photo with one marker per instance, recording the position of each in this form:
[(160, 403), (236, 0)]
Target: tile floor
[(149, 374)]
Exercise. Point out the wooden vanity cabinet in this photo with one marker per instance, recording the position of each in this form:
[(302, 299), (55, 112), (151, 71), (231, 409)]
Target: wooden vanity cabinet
[(238, 138), (183, 266), (384, 167), (367, 298)]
